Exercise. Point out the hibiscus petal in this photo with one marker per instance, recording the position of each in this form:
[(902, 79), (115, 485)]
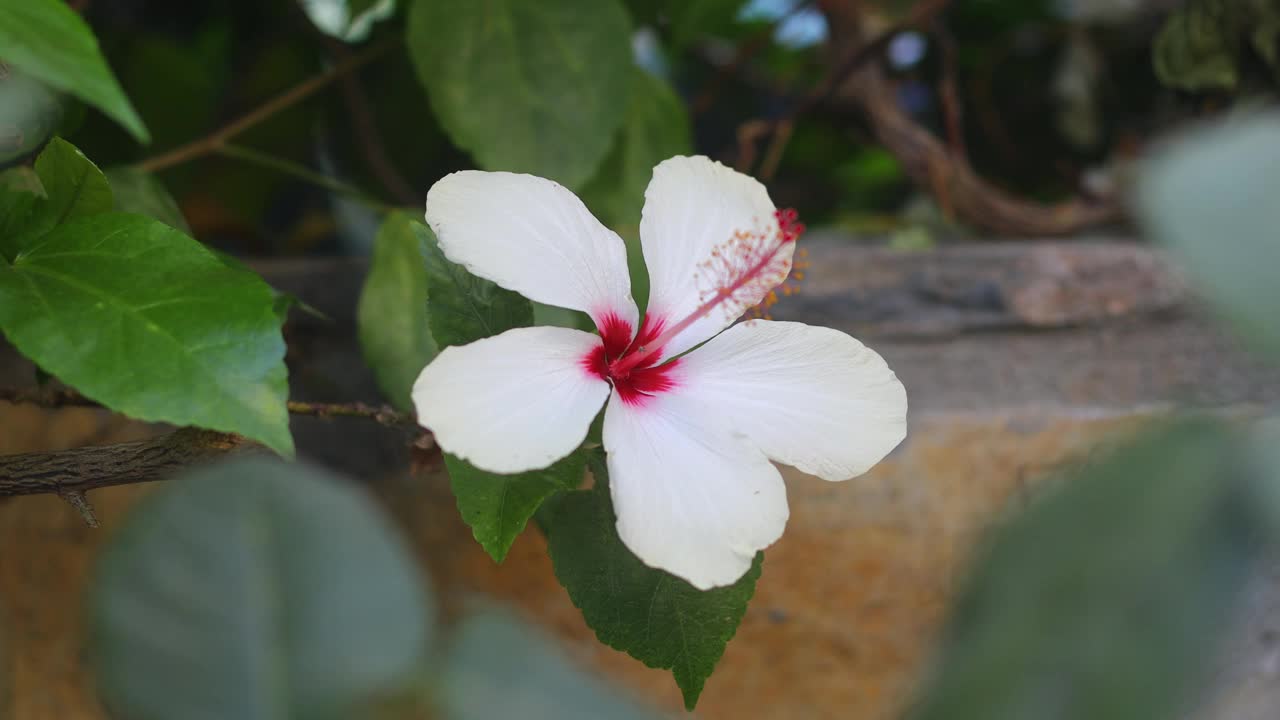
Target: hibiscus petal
[(692, 207), (691, 498), (531, 235), (512, 402), (810, 397)]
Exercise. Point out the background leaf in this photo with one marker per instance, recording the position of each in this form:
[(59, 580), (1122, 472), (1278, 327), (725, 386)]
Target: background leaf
[(656, 128), (49, 41), (463, 308), (497, 507), (498, 667), (258, 591), (651, 615), (148, 322), (138, 191), (63, 185), (1104, 599), (74, 188), (1224, 232), (20, 192), (525, 86), (392, 315)]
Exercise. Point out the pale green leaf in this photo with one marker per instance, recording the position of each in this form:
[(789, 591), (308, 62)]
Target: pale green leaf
[(392, 315), (1211, 198), (255, 590), (1106, 597), (498, 667)]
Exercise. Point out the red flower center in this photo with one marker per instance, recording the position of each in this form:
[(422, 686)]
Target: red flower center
[(638, 379)]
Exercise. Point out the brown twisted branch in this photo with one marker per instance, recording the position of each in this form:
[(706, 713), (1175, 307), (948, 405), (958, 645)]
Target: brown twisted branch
[(73, 472)]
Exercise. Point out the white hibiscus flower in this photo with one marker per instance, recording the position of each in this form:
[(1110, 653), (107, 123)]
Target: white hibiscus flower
[(696, 417)]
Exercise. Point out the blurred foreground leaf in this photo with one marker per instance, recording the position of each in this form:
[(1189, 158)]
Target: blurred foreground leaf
[(1105, 598), (498, 667), (1211, 197), (258, 591)]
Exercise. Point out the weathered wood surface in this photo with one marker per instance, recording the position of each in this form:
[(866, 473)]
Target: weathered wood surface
[(853, 594)]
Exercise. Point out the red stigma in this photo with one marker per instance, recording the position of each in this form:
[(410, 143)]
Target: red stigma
[(637, 379), (789, 226)]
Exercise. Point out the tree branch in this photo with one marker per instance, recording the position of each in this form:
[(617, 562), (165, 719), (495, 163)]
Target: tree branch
[(939, 168), (66, 397), (214, 141), (921, 13), (70, 473)]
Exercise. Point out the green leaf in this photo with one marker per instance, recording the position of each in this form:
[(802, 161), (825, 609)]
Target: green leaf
[(259, 591), (20, 192), (1198, 48), (73, 187), (497, 507), (656, 128), (138, 191), (533, 87), (1211, 198), (463, 308), (49, 41), (653, 616), (1100, 600), (147, 321), (498, 667), (392, 315)]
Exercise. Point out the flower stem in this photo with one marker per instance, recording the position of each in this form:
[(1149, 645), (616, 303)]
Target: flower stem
[(214, 141), (302, 172)]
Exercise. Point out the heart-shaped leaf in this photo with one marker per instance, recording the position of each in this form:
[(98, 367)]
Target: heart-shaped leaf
[(650, 614), (149, 322)]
